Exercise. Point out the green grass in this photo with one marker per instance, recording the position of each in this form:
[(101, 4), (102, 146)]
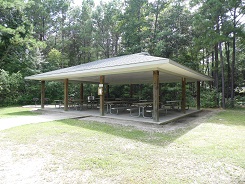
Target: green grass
[(6, 112), (222, 137), (90, 152), (231, 117)]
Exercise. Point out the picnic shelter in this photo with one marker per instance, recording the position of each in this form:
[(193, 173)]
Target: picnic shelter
[(139, 68)]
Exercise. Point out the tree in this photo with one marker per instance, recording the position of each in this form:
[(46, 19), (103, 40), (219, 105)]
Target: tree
[(10, 85), (134, 27), (156, 9), (79, 46), (106, 28), (174, 36), (218, 19), (16, 41), (236, 10), (53, 61)]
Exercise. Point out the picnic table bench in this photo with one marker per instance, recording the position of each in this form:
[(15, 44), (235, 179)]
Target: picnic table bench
[(241, 103), (131, 109), (118, 108), (161, 110)]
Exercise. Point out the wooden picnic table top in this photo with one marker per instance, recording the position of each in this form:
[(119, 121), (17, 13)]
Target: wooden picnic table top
[(143, 103), (115, 102), (58, 100), (76, 100), (70, 100), (173, 101)]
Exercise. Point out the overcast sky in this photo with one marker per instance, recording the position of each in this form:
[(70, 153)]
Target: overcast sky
[(97, 2), (79, 2)]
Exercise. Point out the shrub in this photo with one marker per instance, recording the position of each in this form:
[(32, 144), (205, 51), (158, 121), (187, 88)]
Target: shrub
[(208, 98), (9, 87)]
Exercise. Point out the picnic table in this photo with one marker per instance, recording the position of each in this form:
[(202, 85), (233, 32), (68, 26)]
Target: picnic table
[(35, 100), (141, 108), (173, 104), (92, 102), (58, 102), (110, 104), (241, 103), (145, 107), (75, 103)]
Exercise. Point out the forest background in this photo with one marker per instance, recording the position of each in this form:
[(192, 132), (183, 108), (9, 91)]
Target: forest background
[(43, 35)]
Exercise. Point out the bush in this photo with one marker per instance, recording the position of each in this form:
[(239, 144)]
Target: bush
[(9, 87), (208, 98)]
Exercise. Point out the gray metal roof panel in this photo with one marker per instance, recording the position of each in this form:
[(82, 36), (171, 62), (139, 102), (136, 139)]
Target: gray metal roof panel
[(109, 62)]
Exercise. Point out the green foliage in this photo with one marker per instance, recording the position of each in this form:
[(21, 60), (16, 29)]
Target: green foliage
[(54, 61), (134, 26), (208, 98), (54, 90), (119, 91), (16, 41), (173, 37), (15, 91), (9, 87), (44, 35)]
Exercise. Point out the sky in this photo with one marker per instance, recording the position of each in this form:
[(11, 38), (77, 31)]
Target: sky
[(79, 2), (97, 2)]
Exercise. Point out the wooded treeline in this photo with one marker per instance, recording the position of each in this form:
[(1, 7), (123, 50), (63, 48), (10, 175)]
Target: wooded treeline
[(42, 35)]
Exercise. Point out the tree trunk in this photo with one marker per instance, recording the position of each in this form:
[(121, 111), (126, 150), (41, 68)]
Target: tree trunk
[(116, 45), (155, 22), (43, 29), (212, 68), (223, 75), (233, 57), (207, 64), (227, 51), (108, 47), (216, 74)]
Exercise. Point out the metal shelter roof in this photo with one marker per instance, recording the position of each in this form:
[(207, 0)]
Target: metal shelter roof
[(128, 69)]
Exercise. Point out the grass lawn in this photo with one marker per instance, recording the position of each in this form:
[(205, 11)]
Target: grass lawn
[(6, 112), (74, 151)]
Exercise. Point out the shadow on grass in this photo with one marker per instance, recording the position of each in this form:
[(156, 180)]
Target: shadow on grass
[(21, 113), (149, 137)]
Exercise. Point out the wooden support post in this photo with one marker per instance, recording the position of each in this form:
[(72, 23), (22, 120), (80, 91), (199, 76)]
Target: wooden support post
[(42, 94), (183, 100), (81, 92), (155, 96), (102, 97), (198, 96), (66, 94)]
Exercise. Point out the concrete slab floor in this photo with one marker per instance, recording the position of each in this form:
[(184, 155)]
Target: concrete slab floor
[(172, 115)]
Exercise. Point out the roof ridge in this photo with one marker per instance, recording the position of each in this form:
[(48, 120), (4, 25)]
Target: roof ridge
[(144, 53)]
